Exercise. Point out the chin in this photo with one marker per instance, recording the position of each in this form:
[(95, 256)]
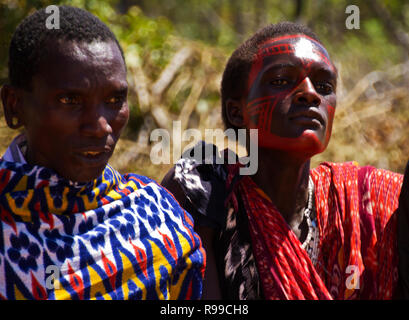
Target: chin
[(307, 150), (308, 144)]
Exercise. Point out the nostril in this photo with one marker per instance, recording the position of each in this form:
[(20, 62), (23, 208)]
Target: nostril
[(302, 99), (316, 100), (308, 99)]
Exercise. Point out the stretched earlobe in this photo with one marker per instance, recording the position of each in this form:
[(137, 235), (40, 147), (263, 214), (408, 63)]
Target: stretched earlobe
[(14, 123), (10, 100), (234, 112)]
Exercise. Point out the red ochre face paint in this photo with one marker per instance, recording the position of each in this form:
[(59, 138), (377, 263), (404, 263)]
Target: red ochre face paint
[(291, 95)]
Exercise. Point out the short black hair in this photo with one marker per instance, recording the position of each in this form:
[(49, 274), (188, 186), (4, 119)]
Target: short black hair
[(27, 46), (236, 72)]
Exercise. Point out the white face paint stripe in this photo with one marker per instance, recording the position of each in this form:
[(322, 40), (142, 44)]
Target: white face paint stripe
[(304, 49)]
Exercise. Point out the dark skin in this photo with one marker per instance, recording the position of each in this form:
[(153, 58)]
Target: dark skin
[(300, 83), (291, 100), (75, 110)]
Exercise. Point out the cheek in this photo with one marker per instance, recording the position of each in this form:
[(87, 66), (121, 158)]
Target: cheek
[(331, 114), (259, 113), (52, 139), (121, 118), (50, 125)]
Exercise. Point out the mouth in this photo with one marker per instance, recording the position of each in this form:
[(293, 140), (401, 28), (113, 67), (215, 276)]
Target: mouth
[(310, 117), (93, 156)]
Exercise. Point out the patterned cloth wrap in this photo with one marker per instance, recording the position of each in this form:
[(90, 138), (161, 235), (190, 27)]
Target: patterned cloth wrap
[(358, 256), (259, 257), (118, 237)]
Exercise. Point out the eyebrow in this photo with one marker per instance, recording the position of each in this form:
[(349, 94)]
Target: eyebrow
[(274, 66), (121, 91), (122, 88), (328, 72), (323, 70), (279, 65)]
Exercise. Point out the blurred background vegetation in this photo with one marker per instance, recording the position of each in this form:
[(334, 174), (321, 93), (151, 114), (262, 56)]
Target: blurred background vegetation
[(176, 51)]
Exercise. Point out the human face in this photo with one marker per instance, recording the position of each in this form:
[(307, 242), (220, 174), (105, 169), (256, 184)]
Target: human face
[(77, 108), (291, 95)]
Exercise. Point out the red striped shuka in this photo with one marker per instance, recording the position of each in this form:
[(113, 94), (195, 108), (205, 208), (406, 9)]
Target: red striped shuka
[(358, 257)]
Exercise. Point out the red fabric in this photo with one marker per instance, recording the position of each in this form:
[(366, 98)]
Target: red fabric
[(355, 207)]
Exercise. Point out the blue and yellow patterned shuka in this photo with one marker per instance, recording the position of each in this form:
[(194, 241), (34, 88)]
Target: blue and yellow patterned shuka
[(118, 237)]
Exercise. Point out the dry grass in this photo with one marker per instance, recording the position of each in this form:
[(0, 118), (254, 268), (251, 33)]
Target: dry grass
[(371, 122)]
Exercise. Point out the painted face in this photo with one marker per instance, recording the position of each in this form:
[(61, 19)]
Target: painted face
[(291, 95), (77, 108)]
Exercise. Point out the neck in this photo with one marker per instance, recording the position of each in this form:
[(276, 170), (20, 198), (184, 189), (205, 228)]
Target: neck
[(284, 178)]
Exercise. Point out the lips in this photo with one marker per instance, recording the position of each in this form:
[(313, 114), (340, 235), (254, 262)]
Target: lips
[(93, 156), (91, 153), (309, 117)]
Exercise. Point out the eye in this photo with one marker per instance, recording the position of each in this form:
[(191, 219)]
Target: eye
[(113, 100), (324, 88), (116, 100), (70, 100), (279, 82)]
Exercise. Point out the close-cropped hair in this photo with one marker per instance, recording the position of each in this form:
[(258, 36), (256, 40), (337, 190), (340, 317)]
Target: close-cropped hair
[(236, 72), (29, 43)]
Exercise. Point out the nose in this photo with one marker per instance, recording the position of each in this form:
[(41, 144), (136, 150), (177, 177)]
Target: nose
[(96, 122), (305, 93)]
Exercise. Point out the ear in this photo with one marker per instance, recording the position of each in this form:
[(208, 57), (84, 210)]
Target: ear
[(234, 112), (11, 98)]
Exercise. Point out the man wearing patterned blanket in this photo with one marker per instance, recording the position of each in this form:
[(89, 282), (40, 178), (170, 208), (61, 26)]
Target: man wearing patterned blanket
[(71, 227)]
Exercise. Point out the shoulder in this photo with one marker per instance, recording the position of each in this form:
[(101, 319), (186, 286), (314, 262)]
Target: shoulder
[(336, 166), (334, 170), (363, 176), (150, 187), (199, 184), (158, 203)]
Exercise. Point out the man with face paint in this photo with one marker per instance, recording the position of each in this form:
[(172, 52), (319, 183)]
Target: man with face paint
[(289, 231), (290, 71)]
